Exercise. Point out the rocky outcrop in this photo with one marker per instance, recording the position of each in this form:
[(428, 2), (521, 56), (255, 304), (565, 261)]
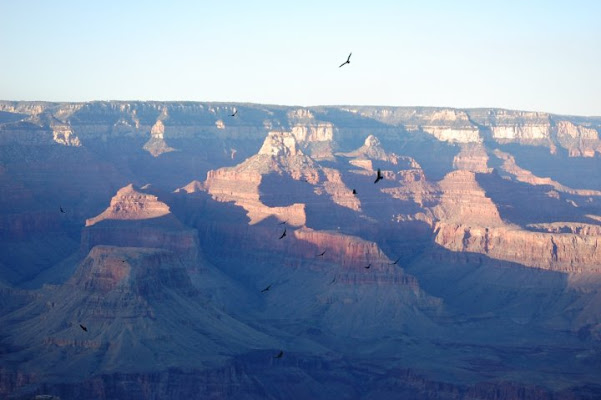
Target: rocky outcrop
[(463, 201), (138, 219), (156, 145), (306, 128), (464, 236), (580, 141), (249, 183), (522, 175), (131, 204), (315, 129), (558, 252), (372, 150), (563, 227), (132, 301), (452, 126), (63, 134), (472, 157)]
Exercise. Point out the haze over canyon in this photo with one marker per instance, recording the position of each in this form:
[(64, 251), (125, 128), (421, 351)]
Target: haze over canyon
[(471, 271)]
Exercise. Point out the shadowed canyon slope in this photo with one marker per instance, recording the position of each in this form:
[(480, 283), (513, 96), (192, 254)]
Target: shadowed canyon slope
[(194, 246)]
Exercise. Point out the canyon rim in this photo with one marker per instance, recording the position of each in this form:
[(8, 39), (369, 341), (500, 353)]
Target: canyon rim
[(484, 278)]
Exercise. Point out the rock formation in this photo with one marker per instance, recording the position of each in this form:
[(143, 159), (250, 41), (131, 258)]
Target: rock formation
[(470, 271), (132, 301), (137, 219)]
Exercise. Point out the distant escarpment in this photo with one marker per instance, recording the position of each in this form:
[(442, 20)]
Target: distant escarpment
[(160, 124)]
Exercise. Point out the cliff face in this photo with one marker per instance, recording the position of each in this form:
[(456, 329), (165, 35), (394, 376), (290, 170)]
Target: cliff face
[(77, 123), (561, 252), (474, 260), (137, 219)]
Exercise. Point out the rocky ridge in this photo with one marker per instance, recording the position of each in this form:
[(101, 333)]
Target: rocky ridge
[(474, 261)]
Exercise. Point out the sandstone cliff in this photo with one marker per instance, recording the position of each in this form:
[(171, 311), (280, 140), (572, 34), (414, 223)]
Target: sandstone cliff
[(475, 260), (315, 128), (137, 219)]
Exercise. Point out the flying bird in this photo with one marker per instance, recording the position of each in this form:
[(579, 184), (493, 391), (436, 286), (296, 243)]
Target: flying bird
[(333, 280), (354, 192), (379, 177), (368, 266), (83, 327), (282, 223), (321, 254), (283, 234), (61, 207), (235, 113), (348, 60), (266, 289), (280, 354), (396, 261)]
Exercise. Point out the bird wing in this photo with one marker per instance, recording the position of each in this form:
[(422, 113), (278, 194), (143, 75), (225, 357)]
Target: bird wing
[(346, 62), (349, 57)]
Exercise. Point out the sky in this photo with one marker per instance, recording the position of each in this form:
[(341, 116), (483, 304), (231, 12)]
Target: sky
[(527, 55)]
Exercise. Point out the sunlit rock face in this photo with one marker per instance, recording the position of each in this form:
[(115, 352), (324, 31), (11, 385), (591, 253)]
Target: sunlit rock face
[(196, 245), (137, 219)]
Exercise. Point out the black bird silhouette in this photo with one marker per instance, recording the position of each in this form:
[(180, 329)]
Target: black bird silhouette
[(61, 207), (83, 327), (354, 192), (283, 234), (368, 267), (234, 114), (321, 254), (348, 60), (396, 261), (266, 289), (122, 261), (282, 223), (280, 354), (333, 280), (379, 177)]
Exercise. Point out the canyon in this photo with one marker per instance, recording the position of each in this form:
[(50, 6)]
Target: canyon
[(471, 271)]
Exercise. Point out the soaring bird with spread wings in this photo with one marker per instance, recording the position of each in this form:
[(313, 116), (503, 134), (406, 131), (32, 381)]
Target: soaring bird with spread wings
[(379, 177), (348, 60)]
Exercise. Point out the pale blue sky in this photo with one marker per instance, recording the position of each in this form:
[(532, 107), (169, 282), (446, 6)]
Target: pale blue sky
[(532, 55)]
